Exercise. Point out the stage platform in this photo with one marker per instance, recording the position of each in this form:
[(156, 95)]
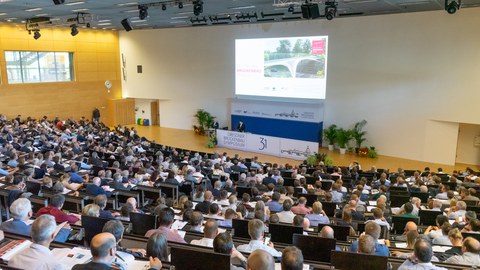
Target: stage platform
[(189, 140)]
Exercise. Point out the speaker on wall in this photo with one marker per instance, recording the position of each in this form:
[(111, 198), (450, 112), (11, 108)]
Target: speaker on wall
[(58, 2), (310, 11), (126, 24)]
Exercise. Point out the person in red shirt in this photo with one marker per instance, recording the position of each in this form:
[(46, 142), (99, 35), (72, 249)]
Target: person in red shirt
[(301, 208), (55, 209)]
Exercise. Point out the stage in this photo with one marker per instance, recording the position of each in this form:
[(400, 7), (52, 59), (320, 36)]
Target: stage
[(188, 140)]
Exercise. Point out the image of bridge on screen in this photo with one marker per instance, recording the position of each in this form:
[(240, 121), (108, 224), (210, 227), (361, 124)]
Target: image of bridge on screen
[(294, 58)]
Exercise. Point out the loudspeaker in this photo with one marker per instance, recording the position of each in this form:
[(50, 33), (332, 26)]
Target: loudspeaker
[(310, 11), (58, 2), (126, 24)]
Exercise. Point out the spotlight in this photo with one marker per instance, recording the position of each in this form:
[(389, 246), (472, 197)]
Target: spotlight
[(36, 34), (180, 5), (164, 7), (142, 12), (291, 8), (453, 6), (197, 7), (330, 10), (74, 30), (89, 25)]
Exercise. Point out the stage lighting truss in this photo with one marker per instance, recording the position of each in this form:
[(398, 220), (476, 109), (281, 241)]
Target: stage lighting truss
[(330, 10), (83, 19), (452, 6)]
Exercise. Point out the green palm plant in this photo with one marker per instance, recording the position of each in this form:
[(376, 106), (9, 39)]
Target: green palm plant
[(358, 134)]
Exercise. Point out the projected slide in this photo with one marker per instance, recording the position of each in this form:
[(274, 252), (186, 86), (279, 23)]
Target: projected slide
[(281, 67)]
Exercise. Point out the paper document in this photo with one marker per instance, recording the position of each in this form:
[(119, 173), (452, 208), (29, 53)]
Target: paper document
[(11, 248)]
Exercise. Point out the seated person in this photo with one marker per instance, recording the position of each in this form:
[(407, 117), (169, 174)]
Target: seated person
[(301, 208), (55, 209), (204, 206), (256, 230), (95, 189), (210, 230), (101, 201), (374, 230), (195, 222), (470, 253), (317, 216), (38, 255), (165, 220), (21, 211), (103, 250), (227, 222), (260, 260), (116, 228), (286, 216), (443, 238), (223, 243), (422, 257), (366, 244), (292, 259), (157, 247)]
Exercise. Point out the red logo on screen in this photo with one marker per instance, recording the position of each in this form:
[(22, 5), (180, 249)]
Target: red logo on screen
[(318, 46)]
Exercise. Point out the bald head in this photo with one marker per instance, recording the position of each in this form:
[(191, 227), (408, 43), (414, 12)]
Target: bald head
[(472, 245), (410, 226), (326, 232), (102, 247), (260, 260)]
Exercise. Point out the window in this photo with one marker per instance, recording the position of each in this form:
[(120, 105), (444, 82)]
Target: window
[(37, 67)]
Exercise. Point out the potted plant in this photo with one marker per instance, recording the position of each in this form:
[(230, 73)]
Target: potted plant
[(330, 135), (342, 138), (358, 134), (205, 121)]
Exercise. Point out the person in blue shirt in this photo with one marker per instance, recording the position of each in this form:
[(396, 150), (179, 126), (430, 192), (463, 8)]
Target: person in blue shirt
[(75, 177), (374, 230), (95, 188), (274, 205)]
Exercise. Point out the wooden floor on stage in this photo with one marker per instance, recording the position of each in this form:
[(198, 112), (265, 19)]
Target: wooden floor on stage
[(188, 140)]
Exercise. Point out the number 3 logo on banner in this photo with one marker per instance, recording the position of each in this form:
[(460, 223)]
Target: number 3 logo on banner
[(263, 141)]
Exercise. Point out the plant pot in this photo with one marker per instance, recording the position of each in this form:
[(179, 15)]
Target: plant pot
[(330, 147), (343, 151)]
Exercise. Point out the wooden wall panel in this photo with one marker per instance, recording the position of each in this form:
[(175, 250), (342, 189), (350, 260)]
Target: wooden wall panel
[(96, 59), (122, 112)]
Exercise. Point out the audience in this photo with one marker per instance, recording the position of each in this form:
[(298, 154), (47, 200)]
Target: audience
[(54, 208), (210, 230), (421, 259), (223, 243), (157, 247)]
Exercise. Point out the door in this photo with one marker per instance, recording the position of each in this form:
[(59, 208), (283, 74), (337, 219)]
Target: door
[(155, 113)]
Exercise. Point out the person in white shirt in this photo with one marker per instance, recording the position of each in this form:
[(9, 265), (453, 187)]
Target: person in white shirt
[(458, 211), (470, 253), (286, 216), (39, 256), (209, 232), (256, 230), (379, 218), (422, 257)]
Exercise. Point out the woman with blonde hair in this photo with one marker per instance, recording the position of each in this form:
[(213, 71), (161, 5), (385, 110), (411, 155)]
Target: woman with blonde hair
[(456, 238), (91, 210)]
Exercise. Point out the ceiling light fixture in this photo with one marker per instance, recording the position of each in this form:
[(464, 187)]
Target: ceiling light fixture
[(453, 6), (142, 12), (197, 7), (180, 5), (74, 31), (291, 8), (164, 7), (330, 10), (36, 34)]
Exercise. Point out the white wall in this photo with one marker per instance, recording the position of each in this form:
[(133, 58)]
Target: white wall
[(143, 109), (466, 151), (409, 75)]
